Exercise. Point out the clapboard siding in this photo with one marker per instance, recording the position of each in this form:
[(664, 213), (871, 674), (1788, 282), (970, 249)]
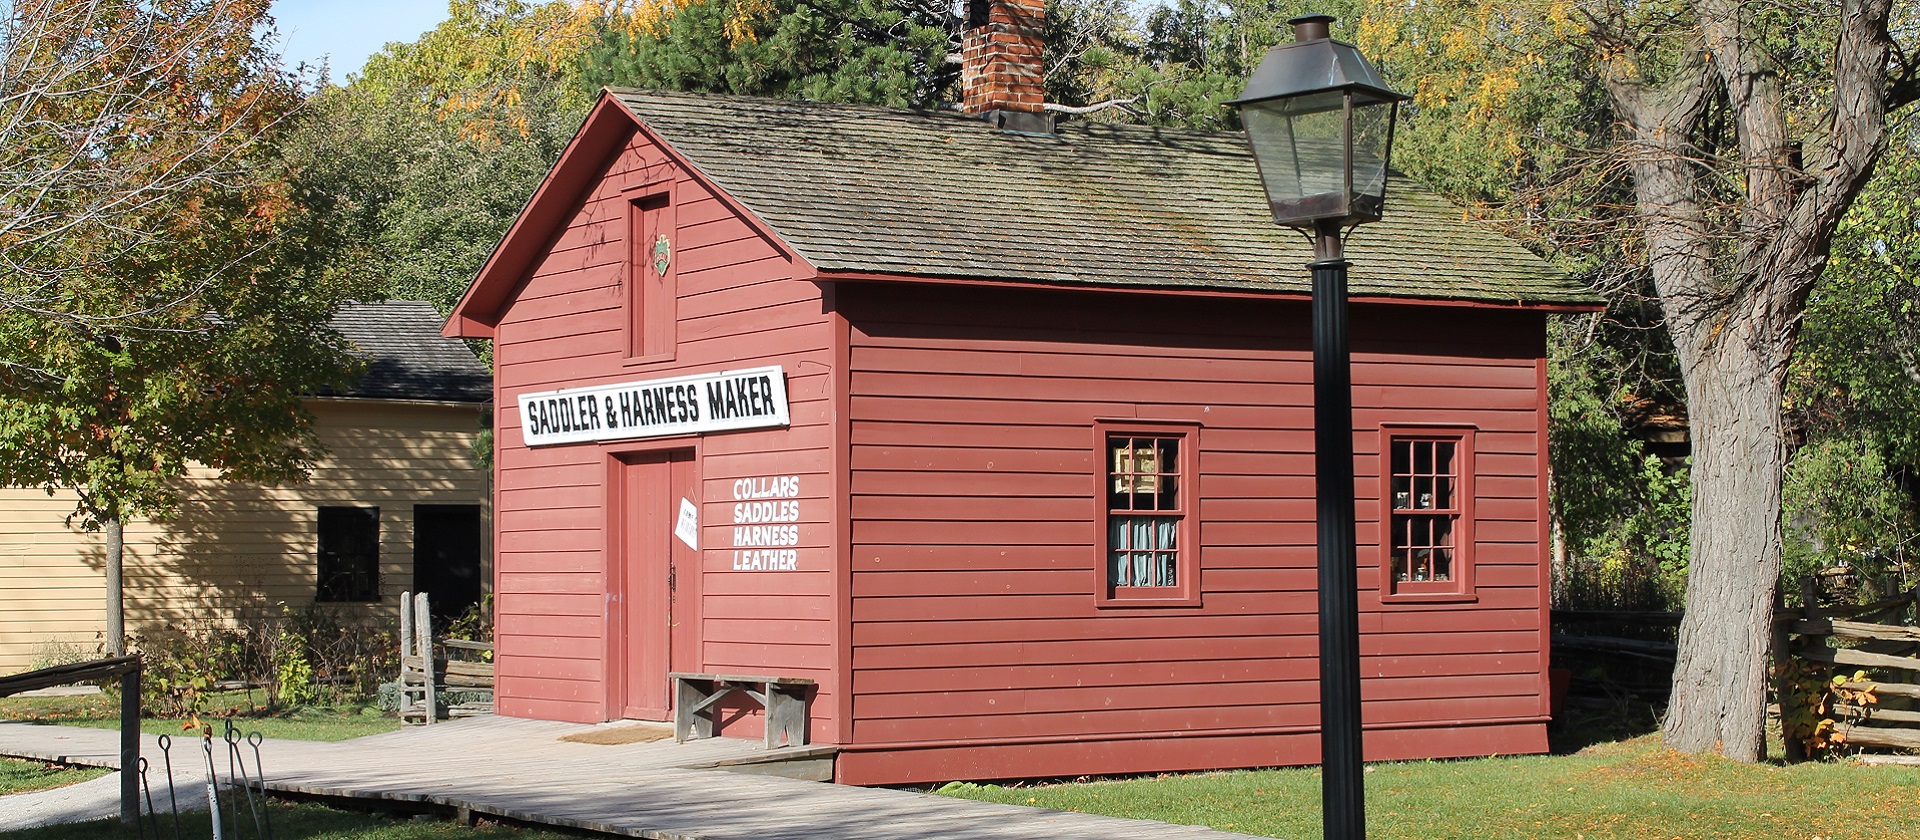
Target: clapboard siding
[(737, 305), (975, 526), (236, 551)]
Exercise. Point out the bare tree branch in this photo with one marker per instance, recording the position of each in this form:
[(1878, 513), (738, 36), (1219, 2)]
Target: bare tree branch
[(82, 158), (1089, 109)]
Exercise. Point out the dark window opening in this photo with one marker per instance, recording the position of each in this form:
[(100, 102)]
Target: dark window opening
[(349, 554), (446, 558)]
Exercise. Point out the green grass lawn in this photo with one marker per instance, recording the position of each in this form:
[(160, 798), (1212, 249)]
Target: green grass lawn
[(1629, 789), (20, 776), (300, 822), (307, 724)]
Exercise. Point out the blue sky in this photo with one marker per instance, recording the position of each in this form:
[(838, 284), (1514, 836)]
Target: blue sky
[(350, 30)]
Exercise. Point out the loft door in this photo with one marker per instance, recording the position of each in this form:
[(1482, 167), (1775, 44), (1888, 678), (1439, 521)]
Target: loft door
[(655, 578)]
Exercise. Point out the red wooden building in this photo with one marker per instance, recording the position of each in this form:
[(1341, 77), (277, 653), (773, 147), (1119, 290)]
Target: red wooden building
[(1003, 439)]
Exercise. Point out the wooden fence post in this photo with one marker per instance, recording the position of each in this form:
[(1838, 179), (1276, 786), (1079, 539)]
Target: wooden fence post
[(130, 747), (423, 636), (1796, 751)]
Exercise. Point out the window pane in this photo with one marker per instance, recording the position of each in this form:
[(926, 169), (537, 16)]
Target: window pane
[(348, 554), (1443, 457), (1143, 550), (1145, 473)]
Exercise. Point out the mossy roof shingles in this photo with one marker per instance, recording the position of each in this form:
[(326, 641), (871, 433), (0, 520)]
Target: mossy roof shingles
[(867, 189)]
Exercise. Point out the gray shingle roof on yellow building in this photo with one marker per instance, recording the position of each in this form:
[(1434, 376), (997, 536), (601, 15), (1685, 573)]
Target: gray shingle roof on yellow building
[(406, 357), (867, 189)]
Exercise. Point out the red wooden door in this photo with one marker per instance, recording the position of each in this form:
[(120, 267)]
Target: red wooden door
[(657, 579)]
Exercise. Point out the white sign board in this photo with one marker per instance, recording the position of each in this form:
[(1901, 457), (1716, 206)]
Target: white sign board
[(687, 528), (755, 398)]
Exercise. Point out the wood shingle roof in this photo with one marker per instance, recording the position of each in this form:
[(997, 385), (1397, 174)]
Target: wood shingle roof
[(407, 358), (861, 189)]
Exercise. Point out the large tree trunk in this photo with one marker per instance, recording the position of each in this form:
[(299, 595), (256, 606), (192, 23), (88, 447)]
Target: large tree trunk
[(1734, 312), (1734, 390), (116, 532)]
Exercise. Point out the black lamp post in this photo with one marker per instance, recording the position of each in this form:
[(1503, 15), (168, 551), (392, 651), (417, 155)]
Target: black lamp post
[(1320, 121)]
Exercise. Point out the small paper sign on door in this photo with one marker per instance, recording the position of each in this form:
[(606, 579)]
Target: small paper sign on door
[(688, 526)]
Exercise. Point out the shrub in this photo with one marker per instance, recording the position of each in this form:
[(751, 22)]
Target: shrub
[(347, 661), (299, 657), (1848, 518), (183, 664), (474, 625)]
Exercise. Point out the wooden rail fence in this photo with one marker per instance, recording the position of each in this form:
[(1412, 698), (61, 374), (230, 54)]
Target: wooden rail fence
[(127, 668), (1867, 641), (462, 665), (1872, 638)]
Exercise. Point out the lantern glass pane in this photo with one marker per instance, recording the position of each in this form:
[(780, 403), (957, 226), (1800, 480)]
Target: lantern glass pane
[(1372, 131), (1298, 144)]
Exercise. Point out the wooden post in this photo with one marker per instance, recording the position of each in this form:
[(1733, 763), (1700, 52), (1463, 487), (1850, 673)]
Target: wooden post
[(1796, 751), (406, 650), (130, 748), (406, 635), (423, 636)]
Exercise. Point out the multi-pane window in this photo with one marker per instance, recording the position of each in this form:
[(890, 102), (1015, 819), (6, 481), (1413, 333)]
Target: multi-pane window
[(1427, 478), (1148, 494), (349, 554), (1144, 512)]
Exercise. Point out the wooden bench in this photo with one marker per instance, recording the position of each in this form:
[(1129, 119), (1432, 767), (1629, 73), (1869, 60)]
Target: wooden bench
[(784, 698)]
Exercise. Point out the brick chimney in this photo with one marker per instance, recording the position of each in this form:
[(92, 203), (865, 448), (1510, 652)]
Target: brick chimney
[(1002, 76)]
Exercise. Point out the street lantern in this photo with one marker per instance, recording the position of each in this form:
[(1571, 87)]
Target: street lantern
[(1320, 123)]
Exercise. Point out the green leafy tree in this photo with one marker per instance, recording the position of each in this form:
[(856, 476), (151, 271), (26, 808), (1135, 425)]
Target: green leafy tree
[(428, 154), (1852, 390), (1173, 63), (176, 325), (1846, 513), (1619, 513), (830, 50), (1857, 369)]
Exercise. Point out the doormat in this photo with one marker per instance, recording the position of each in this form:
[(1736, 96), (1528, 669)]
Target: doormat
[(609, 736)]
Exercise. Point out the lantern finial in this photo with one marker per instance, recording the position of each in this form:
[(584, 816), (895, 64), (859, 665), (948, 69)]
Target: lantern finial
[(1311, 27)]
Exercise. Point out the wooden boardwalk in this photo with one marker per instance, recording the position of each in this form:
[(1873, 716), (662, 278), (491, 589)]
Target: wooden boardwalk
[(521, 770)]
